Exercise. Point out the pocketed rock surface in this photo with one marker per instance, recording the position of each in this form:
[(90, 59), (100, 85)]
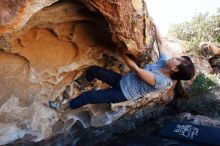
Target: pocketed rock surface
[(47, 44)]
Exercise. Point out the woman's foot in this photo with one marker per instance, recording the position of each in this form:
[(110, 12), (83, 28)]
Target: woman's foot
[(57, 105), (54, 104), (59, 100)]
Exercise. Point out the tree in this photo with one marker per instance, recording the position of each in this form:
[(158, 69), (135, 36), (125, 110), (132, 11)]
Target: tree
[(202, 27)]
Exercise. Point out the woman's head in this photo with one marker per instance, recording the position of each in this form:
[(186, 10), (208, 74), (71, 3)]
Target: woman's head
[(183, 68)]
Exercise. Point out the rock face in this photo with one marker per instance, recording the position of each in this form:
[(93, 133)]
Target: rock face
[(46, 45)]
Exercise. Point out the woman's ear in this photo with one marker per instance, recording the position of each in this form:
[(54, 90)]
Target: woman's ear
[(174, 69)]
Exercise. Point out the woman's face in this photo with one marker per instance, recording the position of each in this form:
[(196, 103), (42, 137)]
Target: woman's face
[(173, 62)]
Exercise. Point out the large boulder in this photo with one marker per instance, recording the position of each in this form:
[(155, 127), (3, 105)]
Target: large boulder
[(47, 44)]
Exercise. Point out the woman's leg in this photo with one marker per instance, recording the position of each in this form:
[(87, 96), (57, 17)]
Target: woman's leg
[(110, 95), (100, 96), (104, 75)]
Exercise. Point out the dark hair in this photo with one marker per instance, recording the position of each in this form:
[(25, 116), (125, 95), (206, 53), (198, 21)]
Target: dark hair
[(186, 71)]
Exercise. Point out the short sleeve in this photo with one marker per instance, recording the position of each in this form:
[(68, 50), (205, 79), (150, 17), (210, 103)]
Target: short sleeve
[(162, 60), (161, 82), (163, 57)]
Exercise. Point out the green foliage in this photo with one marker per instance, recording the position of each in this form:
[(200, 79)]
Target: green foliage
[(202, 27), (205, 92), (203, 83)]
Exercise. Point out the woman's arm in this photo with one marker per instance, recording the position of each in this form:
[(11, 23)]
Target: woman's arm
[(158, 38), (145, 75)]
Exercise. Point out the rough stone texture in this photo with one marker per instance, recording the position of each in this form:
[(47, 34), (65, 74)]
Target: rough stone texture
[(14, 14), (45, 51), (128, 21)]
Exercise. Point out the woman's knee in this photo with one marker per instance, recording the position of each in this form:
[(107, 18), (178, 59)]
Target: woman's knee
[(91, 73), (93, 68)]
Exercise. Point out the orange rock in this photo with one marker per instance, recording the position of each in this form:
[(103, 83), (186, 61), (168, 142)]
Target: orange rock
[(46, 48)]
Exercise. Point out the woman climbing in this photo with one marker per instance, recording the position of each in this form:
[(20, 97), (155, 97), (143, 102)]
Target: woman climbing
[(138, 83)]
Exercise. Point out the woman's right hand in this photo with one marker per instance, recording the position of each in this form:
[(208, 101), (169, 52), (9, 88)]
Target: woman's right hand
[(124, 56)]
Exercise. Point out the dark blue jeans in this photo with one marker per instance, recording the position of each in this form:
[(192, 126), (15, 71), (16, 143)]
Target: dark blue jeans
[(110, 95)]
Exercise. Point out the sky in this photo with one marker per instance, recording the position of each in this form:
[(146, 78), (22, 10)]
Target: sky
[(166, 12)]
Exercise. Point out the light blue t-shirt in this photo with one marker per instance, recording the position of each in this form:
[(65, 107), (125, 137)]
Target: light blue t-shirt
[(134, 87)]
